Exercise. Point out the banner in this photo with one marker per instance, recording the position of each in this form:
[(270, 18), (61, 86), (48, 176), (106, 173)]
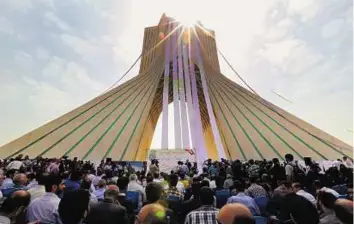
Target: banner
[(168, 158)]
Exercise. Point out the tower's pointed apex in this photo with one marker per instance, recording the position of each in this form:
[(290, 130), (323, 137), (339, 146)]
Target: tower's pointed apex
[(164, 19)]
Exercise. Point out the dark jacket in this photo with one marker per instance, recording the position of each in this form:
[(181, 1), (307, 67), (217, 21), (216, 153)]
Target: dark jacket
[(107, 212)]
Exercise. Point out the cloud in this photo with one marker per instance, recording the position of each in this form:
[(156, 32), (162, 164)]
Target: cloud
[(6, 26), (79, 45), (306, 9), (42, 53), (52, 18), (18, 5), (332, 28)]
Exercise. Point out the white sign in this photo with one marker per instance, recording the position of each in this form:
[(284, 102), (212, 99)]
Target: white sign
[(168, 158)]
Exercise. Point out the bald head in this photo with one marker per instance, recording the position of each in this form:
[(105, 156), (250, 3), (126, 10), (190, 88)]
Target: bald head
[(152, 213), (344, 210), (112, 187), (235, 213), (20, 179), (21, 198)]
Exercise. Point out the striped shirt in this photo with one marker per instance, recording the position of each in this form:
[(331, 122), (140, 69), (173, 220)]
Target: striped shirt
[(206, 214)]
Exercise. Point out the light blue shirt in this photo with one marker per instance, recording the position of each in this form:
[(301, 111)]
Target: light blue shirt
[(246, 200), (44, 208), (99, 193), (7, 183)]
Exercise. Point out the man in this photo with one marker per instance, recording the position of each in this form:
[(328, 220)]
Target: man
[(54, 166), (255, 190), (153, 195), (235, 214), (99, 192), (152, 214), (134, 186), (122, 184), (206, 214), (213, 170), (37, 190), (283, 189), (289, 167), (184, 180), (156, 178), (108, 211), (298, 189), (14, 165), (253, 169), (21, 199), (184, 167), (73, 183), (73, 207), (347, 162), (326, 202), (153, 167), (172, 190), (8, 182), (344, 210), (242, 198), (296, 209), (44, 208), (20, 181), (228, 182)]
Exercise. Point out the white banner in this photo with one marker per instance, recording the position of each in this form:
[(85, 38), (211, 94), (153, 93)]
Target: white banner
[(168, 158)]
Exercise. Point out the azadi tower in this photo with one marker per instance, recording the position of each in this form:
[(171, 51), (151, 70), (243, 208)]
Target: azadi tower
[(212, 114)]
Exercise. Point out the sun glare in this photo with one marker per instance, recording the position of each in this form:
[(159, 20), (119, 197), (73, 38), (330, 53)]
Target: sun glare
[(186, 21)]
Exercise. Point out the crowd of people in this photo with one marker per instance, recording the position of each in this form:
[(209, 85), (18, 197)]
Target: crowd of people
[(72, 191)]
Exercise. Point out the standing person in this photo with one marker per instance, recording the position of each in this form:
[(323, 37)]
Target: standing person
[(242, 198), (73, 207), (206, 214), (228, 182), (153, 169), (154, 192), (172, 189), (289, 167), (253, 169), (108, 211), (73, 183), (43, 209), (347, 162), (99, 192), (15, 165), (277, 173), (255, 190)]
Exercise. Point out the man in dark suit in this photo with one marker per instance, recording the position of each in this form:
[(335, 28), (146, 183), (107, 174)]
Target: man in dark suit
[(108, 211)]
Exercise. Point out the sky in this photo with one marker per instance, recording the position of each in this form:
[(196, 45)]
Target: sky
[(56, 55)]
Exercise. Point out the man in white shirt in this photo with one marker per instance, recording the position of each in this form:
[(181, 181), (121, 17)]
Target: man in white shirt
[(134, 186), (14, 165), (297, 187), (101, 188), (37, 190), (44, 209)]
